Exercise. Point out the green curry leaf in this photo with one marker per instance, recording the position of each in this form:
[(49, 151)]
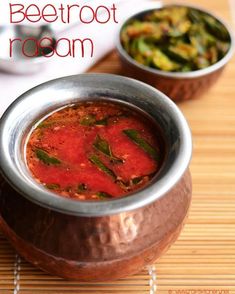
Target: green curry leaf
[(103, 146), (52, 186), (88, 120), (46, 158), (101, 166), (135, 137), (103, 195)]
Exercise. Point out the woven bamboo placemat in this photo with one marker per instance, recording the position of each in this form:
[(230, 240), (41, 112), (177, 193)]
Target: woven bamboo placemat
[(203, 259)]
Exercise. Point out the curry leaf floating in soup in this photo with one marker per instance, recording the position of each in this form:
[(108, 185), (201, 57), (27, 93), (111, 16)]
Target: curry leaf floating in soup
[(94, 151)]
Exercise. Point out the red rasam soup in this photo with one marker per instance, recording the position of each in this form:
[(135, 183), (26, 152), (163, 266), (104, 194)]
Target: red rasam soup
[(94, 151)]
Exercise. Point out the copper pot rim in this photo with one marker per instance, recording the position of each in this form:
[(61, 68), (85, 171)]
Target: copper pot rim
[(19, 178), (179, 75)]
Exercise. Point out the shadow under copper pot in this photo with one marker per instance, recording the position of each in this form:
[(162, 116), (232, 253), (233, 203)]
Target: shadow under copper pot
[(99, 240), (178, 86)]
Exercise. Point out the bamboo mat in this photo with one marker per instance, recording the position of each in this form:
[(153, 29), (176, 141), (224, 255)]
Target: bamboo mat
[(203, 259)]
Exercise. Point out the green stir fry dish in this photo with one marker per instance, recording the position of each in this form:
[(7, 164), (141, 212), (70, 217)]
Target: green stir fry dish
[(176, 39)]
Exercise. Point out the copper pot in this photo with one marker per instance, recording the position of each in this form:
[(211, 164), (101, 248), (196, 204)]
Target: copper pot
[(99, 240)]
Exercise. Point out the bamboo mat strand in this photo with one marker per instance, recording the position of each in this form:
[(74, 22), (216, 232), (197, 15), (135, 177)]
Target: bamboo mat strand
[(203, 259)]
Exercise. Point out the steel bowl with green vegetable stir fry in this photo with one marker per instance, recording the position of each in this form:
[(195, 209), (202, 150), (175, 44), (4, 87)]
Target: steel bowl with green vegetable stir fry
[(176, 39), (181, 50)]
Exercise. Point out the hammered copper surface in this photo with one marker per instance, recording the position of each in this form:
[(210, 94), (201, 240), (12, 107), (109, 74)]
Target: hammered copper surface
[(94, 248), (178, 89)]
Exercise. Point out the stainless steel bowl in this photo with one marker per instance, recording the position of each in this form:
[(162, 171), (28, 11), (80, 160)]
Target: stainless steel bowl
[(20, 63), (121, 225), (176, 85)]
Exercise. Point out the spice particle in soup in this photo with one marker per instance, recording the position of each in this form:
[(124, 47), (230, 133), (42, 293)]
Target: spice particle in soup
[(94, 151)]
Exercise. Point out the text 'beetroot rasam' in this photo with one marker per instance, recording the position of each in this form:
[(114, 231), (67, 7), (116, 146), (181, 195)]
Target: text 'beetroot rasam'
[(94, 151)]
